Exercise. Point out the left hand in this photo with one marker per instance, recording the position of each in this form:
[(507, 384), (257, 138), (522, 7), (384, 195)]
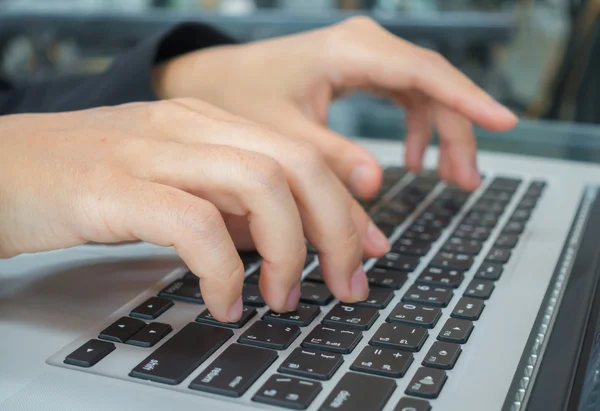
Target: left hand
[(289, 82)]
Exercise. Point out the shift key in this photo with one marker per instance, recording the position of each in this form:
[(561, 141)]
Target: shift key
[(234, 371), (173, 361)]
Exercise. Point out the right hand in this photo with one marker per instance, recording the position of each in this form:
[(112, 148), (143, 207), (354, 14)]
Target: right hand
[(183, 173)]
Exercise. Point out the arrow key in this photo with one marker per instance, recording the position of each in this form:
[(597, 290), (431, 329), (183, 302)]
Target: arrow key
[(150, 335), (151, 308), (456, 331), (442, 355), (122, 329), (89, 353)]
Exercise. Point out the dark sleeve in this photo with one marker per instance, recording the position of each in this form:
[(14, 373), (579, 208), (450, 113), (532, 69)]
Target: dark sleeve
[(128, 79)]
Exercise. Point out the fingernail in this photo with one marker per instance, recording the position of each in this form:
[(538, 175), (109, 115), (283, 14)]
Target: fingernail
[(359, 178), (235, 311), (293, 298), (377, 238), (359, 286)]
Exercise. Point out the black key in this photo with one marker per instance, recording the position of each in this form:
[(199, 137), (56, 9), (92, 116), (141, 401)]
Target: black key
[(463, 246), (336, 339), (456, 331), (498, 255), (234, 371), (351, 316), (122, 329), (252, 278), (527, 203), (310, 363), (489, 271), (469, 228), (379, 297), (89, 353), (415, 314), (536, 188), (411, 246), (453, 261), (315, 275), (427, 383), (207, 318), (384, 277), (485, 220), (505, 183), (497, 195), (424, 229), (479, 289), (383, 361), (173, 361), (521, 215), (506, 241), (251, 296), (185, 289), (441, 277), (309, 259), (399, 262), (150, 335), (514, 227), (471, 235), (302, 317), (412, 404), (468, 309), (288, 392), (400, 337), (427, 294), (442, 355), (265, 334), (389, 217), (151, 308), (487, 206), (428, 237), (315, 293), (359, 392)]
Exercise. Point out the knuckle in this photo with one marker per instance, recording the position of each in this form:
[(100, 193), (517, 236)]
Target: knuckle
[(307, 158), (266, 174), (202, 219)]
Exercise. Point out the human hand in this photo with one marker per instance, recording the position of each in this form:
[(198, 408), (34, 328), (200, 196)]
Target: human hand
[(183, 173), (288, 83)]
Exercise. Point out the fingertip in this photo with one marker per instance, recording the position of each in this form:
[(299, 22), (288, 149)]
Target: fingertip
[(365, 180), (234, 313)]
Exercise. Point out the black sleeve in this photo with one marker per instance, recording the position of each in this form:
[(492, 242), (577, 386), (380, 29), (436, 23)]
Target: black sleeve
[(128, 79)]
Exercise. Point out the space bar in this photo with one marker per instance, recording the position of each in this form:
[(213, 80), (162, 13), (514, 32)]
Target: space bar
[(173, 361)]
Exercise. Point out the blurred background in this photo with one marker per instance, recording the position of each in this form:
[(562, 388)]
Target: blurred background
[(539, 57)]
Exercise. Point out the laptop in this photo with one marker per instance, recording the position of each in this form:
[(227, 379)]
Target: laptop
[(487, 301)]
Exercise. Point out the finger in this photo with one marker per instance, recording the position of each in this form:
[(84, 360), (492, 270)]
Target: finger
[(444, 169), (458, 146), (418, 124), (246, 184), (367, 55), (239, 231), (132, 209)]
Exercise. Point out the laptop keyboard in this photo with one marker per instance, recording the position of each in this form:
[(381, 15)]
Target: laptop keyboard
[(438, 234)]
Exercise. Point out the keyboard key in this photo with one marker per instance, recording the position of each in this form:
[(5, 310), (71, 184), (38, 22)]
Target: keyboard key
[(497, 195), (288, 392), (173, 361), (384, 277), (428, 237), (336, 339), (150, 335), (505, 183), (316, 364), (427, 383), (315, 293), (315, 275), (521, 215), (415, 314), (399, 262), (268, 335), (452, 261), (401, 337), (514, 227), (251, 295), (249, 258), (351, 316), (468, 309), (89, 353), (151, 308), (411, 247), (412, 404), (359, 392), (442, 355), (252, 278), (456, 331), (441, 277), (122, 329), (463, 246), (207, 318), (479, 289), (506, 241), (489, 271), (185, 289), (498, 255), (234, 371), (487, 206), (383, 361), (303, 316), (429, 295), (379, 297)]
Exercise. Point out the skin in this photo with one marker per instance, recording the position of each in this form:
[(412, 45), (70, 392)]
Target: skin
[(238, 155)]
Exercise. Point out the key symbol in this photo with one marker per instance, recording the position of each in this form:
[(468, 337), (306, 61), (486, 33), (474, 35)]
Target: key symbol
[(347, 309)]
